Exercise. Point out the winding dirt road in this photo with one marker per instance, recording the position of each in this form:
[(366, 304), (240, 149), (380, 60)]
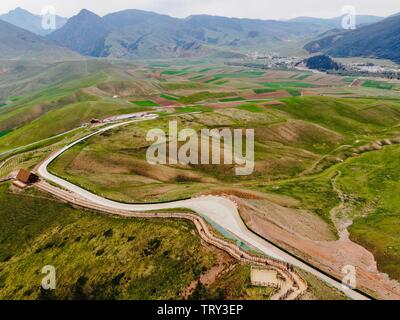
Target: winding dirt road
[(219, 210)]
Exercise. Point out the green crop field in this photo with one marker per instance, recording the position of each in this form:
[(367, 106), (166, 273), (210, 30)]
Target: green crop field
[(237, 75), (377, 84), (250, 107), (172, 73), (243, 74), (146, 103), (4, 132), (294, 92), (169, 97), (201, 96), (261, 91), (198, 77), (283, 85)]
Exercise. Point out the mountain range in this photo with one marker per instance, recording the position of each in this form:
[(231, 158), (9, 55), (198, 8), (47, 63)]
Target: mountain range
[(140, 34), (135, 33), (378, 40), (28, 21)]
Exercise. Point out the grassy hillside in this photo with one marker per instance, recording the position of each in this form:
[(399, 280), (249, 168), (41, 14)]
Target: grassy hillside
[(96, 256), (372, 183), (375, 40), (66, 118)]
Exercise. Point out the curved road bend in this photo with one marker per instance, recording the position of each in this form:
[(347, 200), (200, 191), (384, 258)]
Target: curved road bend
[(221, 211)]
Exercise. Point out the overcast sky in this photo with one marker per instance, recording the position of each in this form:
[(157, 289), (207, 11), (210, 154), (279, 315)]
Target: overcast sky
[(263, 9)]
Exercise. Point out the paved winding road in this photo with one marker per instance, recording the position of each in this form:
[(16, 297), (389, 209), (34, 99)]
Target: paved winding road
[(219, 210)]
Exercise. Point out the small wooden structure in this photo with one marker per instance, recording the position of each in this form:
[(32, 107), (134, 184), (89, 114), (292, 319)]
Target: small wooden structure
[(25, 178)]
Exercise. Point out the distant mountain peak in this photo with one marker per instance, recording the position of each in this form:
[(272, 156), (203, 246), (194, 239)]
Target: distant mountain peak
[(86, 12), (82, 33), (19, 9), (24, 19)]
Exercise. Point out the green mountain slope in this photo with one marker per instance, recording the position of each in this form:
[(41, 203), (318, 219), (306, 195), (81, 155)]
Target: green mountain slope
[(17, 43), (378, 40), (135, 33)]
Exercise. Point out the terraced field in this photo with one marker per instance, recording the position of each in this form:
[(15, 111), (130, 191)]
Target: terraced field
[(109, 89)]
